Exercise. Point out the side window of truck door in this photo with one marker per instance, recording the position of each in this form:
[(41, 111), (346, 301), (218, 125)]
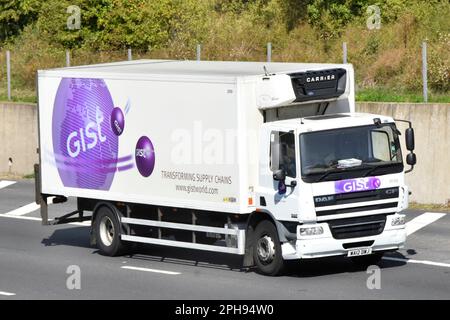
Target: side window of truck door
[(282, 152)]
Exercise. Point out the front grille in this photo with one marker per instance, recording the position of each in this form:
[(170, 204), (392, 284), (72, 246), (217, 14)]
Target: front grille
[(352, 197), (358, 209), (357, 227), (357, 244)]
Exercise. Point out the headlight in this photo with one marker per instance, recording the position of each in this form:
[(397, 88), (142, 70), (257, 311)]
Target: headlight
[(398, 221), (311, 231)]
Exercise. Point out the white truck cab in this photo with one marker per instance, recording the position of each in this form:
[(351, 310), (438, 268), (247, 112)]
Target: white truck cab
[(343, 187)]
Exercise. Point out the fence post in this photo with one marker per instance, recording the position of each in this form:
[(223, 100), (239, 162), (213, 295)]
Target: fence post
[(344, 52), (269, 51), (130, 56), (67, 58), (199, 52), (424, 72), (8, 73)]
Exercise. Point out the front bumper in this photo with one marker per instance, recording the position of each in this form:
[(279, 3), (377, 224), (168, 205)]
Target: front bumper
[(324, 245)]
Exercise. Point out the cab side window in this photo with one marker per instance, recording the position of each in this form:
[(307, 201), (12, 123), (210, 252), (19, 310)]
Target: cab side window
[(282, 152)]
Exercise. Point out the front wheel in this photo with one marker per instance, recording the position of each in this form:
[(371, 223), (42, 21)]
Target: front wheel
[(267, 249), (107, 233)]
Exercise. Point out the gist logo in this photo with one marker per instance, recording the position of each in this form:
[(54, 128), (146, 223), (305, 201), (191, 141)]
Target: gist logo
[(355, 185), (85, 144), (145, 156), (85, 139)]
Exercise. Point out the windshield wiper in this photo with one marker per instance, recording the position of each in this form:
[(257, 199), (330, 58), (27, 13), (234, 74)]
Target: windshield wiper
[(343, 170), (371, 170), (323, 176)]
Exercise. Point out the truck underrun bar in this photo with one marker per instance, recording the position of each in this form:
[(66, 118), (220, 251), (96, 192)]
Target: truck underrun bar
[(40, 199), (238, 233)]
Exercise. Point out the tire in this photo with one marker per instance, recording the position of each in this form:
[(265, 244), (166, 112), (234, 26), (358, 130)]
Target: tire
[(107, 233), (267, 249), (365, 261)]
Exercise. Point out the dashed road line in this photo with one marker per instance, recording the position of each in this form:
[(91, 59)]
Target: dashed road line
[(20, 217), (422, 221), (3, 215), (6, 183), (150, 270), (431, 263), (4, 293), (24, 209)]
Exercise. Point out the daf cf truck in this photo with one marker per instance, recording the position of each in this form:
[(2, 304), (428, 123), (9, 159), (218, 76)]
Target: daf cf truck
[(269, 161)]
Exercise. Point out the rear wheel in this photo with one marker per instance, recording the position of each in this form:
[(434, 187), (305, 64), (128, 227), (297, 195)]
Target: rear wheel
[(267, 249), (107, 233)]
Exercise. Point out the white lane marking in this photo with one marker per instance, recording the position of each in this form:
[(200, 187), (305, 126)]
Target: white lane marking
[(4, 293), (150, 270), (431, 263), (3, 215), (86, 223), (6, 183), (422, 221), (20, 217), (24, 209), (21, 211)]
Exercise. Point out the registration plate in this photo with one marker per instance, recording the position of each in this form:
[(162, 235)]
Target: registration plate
[(359, 252)]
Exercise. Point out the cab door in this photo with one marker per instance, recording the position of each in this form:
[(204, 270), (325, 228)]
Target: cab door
[(279, 151)]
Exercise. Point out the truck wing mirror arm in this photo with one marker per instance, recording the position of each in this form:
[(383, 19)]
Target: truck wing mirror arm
[(410, 145)]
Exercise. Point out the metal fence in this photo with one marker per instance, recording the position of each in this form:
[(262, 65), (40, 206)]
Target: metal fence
[(269, 59)]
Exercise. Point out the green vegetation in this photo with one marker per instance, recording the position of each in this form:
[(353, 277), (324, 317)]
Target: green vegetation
[(430, 207), (29, 176), (383, 94), (387, 60)]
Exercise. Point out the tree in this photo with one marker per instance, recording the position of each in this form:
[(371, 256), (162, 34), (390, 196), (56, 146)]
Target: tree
[(15, 15), (118, 24)]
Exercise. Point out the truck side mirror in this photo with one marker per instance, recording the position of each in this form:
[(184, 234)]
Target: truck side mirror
[(281, 187), (279, 175), (411, 159), (409, 139)]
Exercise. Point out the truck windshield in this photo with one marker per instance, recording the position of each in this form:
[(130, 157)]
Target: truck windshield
[(350, 152)]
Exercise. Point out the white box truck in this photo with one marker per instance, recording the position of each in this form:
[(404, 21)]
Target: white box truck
[(264, 160)]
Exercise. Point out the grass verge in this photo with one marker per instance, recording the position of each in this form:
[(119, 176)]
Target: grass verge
[(430, 207), (386, 95)]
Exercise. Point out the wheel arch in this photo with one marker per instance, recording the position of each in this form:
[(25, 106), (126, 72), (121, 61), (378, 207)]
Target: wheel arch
[(253, 220)]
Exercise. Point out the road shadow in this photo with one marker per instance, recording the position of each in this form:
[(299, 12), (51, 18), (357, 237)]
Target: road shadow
[(298, 269), (188, 257), (335, 265), (79, 237), (74, 237)]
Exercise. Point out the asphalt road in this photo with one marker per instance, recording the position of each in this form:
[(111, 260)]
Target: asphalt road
[(36, 260)]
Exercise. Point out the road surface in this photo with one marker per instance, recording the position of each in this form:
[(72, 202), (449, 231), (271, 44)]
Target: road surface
[(40, 262)]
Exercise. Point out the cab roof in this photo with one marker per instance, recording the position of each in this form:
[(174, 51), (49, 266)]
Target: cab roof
[(331, 121)]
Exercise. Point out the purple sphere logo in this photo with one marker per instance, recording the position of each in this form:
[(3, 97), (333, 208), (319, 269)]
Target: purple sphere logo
[(145, 156), (117, 121), (84, 145), (376, 183)]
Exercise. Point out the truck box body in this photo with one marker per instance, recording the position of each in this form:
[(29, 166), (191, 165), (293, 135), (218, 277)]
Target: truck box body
[(199, 122)]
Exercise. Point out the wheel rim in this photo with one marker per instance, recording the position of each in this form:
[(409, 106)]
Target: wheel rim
[(107, 231), (266, 249)]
